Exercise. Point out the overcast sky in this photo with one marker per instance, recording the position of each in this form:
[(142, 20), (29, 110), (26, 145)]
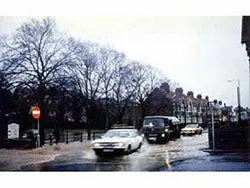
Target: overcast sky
[(200, 53)]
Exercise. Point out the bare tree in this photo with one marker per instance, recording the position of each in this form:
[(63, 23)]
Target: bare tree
[(124, 89), (132, 85), (147, 79), (35, 55), (111, 61), (88, 73)]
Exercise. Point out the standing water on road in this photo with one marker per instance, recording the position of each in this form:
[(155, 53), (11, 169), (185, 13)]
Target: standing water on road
[(150, 156)]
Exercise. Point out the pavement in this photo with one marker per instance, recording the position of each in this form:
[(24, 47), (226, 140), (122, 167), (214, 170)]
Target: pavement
[(14, 159)]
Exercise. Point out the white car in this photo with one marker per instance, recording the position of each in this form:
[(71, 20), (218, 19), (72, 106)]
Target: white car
[(118, 141)]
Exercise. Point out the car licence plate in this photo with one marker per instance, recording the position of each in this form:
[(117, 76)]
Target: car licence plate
[(108, 150), (152, 138)]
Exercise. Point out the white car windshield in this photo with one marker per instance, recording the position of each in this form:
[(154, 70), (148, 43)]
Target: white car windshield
[(120, 134)]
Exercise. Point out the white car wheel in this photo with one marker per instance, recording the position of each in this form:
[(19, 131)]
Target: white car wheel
[(140, 144), (129, 148)]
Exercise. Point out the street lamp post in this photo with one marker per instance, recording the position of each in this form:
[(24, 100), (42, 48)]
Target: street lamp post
[(238, 98), (213, 131), (210, 108)]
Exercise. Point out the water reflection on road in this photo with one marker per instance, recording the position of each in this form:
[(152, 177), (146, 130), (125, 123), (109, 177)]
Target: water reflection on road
[(150, 156)]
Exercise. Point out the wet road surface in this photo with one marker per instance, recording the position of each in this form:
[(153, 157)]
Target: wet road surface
[(150, 156), (211, 163)]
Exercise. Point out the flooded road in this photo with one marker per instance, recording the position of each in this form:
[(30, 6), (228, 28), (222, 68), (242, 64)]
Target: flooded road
[(149, 157)]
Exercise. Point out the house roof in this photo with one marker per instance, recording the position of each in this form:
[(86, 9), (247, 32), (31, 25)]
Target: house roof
[(175, 97)]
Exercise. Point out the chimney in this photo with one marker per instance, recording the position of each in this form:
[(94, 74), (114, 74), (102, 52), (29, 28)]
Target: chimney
[(179, 90)]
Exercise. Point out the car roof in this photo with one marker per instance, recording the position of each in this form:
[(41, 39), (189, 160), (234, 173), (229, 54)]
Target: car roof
[(35, 130), (173, 118), (193, 124)]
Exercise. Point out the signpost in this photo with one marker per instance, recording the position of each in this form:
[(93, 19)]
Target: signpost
[(36, 115)]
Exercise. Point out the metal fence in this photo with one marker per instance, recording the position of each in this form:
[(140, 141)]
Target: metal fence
[(67, 137)]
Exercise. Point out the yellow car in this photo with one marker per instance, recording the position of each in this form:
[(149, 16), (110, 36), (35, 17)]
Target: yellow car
[(191, 129)]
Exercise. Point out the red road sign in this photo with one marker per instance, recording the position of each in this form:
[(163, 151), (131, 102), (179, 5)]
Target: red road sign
[(36, 112)]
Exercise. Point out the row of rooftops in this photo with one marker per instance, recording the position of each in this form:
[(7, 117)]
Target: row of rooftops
[(177, 97)]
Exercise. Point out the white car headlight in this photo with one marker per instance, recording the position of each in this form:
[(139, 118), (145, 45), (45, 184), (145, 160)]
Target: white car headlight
[(166, 130), (162, 135), (96, 144), (120, 144), (24, 136)]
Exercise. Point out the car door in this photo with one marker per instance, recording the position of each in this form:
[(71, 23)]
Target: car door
[(169, 125)]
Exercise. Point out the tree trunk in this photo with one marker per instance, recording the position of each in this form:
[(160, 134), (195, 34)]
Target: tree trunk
[(107, 121), (61, 114), (120, 118), (43, 116), (90, 116), (143, 113), (106, 113)]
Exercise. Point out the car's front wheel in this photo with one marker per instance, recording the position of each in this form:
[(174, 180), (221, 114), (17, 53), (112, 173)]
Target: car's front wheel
[(128, 149), (98, 153), (139, 147)]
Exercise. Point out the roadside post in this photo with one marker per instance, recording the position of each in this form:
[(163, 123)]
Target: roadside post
[(213, 131), (36, 114), (238, 99), (67, 138), (50, 139)]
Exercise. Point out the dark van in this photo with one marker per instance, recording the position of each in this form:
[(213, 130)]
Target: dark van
[(161, 128)]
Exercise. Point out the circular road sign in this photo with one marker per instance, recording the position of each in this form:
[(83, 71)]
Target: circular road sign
[(36, 112)]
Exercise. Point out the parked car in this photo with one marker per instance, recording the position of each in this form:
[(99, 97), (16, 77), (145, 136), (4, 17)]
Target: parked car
[(191, 129), (29, 138), (161, 128), (30, 133), (118, 141)]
